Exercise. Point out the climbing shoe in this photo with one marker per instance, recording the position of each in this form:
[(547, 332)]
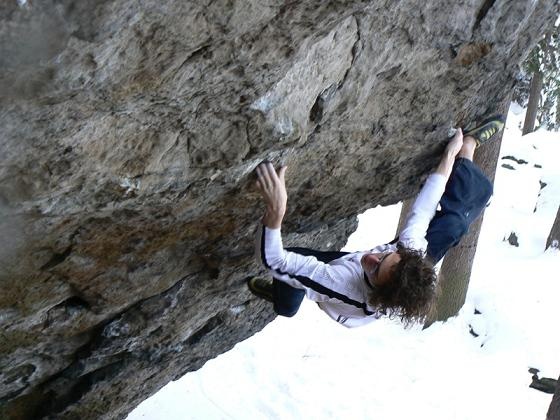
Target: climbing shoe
[(261, 287), (487, 129)]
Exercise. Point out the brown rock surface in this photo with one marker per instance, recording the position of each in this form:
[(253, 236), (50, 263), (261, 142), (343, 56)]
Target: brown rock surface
[(129, 132)]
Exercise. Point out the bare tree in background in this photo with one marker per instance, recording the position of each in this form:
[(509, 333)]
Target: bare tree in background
[(406, 206), (534, 100), (543, 65), (554, 409), (554, 235)]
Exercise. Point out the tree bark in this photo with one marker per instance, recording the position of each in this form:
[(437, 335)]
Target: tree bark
[(534, 98), (558, 111), (554, 409), (554, 235), (456, 269), (406, 206)]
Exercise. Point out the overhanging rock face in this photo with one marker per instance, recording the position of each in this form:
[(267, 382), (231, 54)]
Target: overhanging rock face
[(129, 132)]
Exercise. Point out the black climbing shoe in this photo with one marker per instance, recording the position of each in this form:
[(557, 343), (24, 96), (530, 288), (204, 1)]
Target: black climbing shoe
[(261, 287), (487, 129)]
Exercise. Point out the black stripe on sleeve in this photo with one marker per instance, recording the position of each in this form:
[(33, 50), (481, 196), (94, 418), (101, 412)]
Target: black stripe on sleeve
[(263, 257), (319, 288)]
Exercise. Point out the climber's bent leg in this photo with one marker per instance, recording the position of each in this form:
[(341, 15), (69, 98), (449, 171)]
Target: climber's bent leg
[(466, 194)]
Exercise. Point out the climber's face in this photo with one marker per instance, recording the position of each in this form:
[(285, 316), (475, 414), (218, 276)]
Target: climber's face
[(378, 266)]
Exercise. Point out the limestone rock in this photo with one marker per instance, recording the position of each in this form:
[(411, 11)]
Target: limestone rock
[(129, 133)]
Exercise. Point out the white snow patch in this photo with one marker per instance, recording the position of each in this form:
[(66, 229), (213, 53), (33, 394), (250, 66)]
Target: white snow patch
[(264, 103), (284, 126), (130, 185)]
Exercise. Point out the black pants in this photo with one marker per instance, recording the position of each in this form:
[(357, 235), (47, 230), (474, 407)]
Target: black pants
[(466, 194)]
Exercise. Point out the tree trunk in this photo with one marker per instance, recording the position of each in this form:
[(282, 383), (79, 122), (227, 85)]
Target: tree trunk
[(554, 236), (554, 409), (406, 206), (558, 111), (534, 98), (456, 269), (454, 276)]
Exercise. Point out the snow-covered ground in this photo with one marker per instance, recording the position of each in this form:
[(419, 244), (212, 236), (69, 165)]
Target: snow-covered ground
[(311, 367)]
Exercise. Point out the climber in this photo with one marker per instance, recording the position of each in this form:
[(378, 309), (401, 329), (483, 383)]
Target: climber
[(396, 279)]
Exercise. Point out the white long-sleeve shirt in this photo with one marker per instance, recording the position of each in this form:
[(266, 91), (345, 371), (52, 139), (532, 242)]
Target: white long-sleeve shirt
[(340, 287)]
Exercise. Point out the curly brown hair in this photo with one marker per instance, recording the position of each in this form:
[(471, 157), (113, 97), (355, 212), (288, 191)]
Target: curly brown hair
[(410, 292)]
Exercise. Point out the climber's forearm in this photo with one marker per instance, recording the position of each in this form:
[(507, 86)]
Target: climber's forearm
[(448, 159), (446, 165)]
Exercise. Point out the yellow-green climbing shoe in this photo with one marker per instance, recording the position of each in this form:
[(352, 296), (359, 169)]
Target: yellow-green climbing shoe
[(487, 129)]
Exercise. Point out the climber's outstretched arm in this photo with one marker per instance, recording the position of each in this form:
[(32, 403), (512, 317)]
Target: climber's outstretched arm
[(272, 186), (424, 208)]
